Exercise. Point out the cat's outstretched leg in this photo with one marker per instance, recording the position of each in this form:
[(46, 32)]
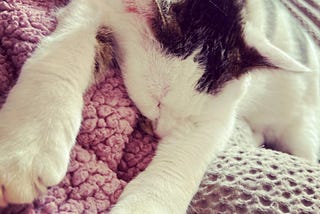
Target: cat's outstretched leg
[(172, 178), (42, 115)]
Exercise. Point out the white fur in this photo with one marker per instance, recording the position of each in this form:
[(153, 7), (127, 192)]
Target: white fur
[(43, 111), (42, 114)]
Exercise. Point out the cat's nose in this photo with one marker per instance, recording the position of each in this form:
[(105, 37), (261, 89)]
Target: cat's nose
[(155, 128), (161, 131), (154, 124)]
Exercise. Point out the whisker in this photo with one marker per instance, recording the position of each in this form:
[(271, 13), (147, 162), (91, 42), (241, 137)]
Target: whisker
[(216, 6), (163, 19)]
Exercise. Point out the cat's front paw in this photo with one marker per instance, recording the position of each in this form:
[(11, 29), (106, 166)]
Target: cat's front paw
[(26, 175), (35, 144), (31, 159)]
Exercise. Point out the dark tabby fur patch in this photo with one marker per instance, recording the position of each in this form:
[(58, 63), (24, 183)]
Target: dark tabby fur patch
[(105, 51), (215, 29)]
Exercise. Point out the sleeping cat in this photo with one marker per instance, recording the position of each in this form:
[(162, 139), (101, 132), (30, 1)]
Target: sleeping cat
[(191, 66)]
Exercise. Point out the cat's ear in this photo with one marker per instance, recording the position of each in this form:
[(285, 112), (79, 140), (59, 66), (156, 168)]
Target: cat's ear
[(274, 55)]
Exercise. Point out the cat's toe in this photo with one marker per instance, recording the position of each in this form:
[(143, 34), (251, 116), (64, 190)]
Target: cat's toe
[(19, 191), (35, 145), (30, 161), (24, 185), (24, 178)]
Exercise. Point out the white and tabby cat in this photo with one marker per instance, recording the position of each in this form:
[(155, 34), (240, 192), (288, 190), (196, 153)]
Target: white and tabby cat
[(191, 66)]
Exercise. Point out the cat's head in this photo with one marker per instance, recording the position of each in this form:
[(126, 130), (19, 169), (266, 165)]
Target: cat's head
[(215, 35), (213, 29), (219, 30)]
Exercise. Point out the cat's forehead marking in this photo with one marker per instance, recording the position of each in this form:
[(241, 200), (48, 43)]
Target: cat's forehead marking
[(215, 27)]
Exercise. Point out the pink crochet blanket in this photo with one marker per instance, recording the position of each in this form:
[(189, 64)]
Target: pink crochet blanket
[(110, 149)]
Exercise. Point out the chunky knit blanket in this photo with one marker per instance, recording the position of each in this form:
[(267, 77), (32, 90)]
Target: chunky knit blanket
[(112, 147)]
